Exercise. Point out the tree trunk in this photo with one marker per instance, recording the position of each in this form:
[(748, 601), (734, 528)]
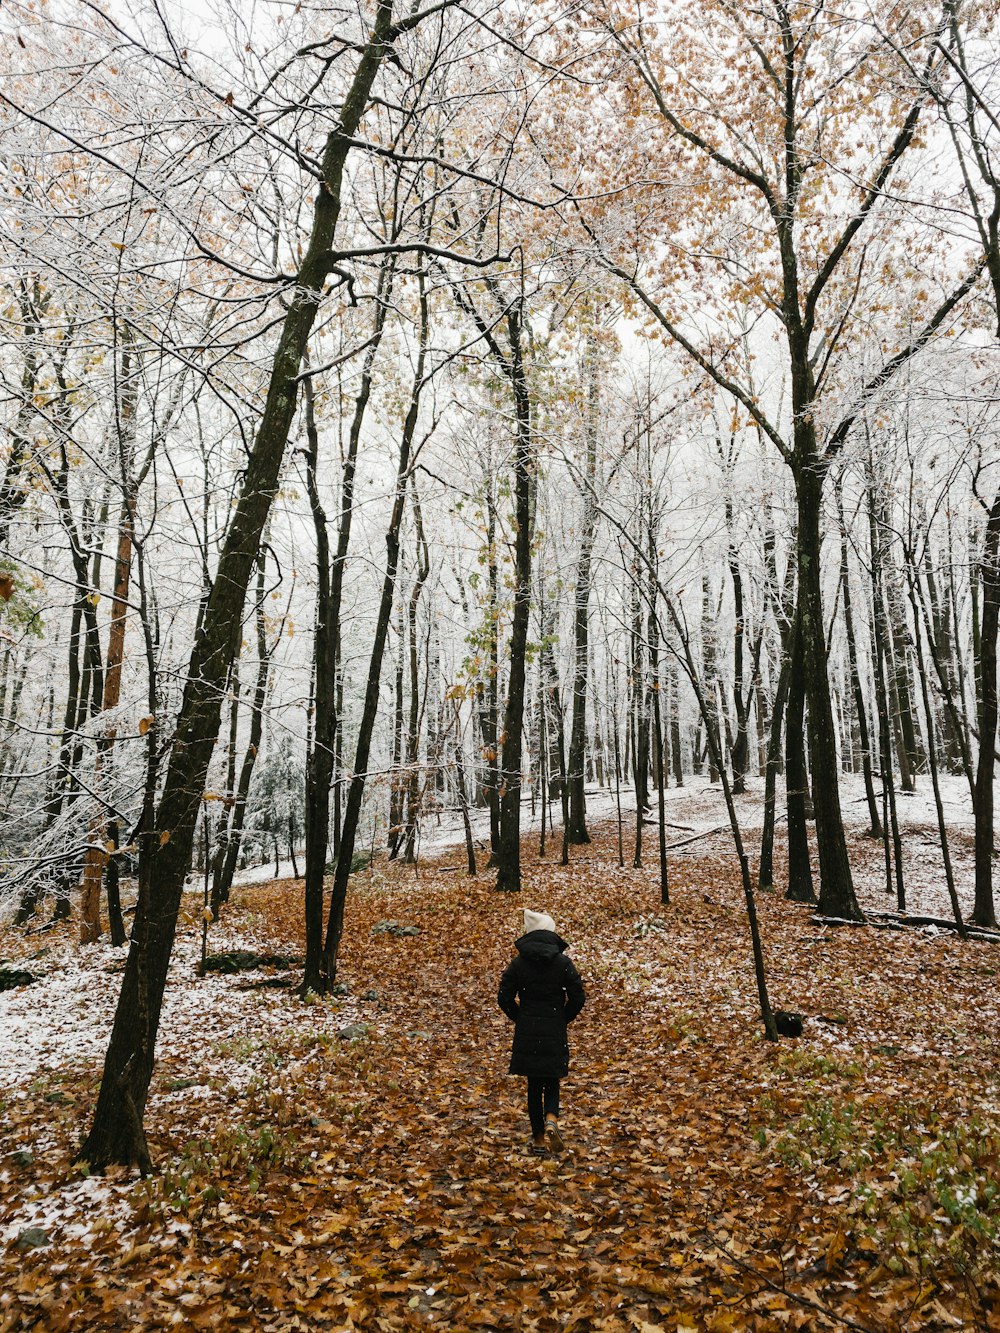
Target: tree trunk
[(984, 913), (412, 783), (836, 894), (321, 761), (396, 761), (908, 742), (709, 653), (875, 824), (739, 753), (509, 860), (765, 868), (232, 838), (117, 1134), (880, 658), (654, 687), (463, 799), (942, 644), (675, 727), (356, 787), (932, 753), (640, 729), (800, 881), (577, 828)]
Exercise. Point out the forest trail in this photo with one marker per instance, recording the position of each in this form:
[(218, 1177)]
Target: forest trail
[(362, 1164)]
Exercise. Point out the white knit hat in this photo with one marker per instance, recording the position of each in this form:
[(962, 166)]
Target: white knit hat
[(537, 921)]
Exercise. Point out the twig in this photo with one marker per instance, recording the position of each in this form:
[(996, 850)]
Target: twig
[(799, 1300)]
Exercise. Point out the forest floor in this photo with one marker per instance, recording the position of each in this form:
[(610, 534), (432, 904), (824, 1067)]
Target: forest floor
[(361, 1163)]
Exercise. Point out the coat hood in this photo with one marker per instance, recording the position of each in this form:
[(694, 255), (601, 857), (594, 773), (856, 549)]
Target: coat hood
[(540, 946)]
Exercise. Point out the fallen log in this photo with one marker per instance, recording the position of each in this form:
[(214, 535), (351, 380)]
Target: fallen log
[(903, 921)]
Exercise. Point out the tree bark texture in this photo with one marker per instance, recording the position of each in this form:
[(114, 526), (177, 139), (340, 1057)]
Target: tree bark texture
[(984, 912), (116, 1134)]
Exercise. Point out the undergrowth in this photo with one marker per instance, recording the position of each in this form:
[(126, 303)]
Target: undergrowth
[(920, 1185)]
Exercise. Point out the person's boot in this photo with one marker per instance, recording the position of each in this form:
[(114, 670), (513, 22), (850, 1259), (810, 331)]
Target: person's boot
[(552, 1134), (537, 1147)]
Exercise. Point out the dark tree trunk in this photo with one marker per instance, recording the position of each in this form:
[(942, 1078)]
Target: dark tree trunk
[(984, 913), (509, 861), (880, 658), (555, 724), (222, 883), (411, 789), (836, 894), (765, 869), (952, 692), (356, 787), (463, 798), (321, 761), (489, 712), (654, 687), (709, 653), (910, 756), (932, 752), (396, 762), (112, 888), (739, 754), (640, 727), (577, 828), (875, 824), (675, 728), (942, 643), (117, 1134), (800, 881)]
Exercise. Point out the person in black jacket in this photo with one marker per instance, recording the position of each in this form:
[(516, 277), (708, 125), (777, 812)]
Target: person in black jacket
[(542, 992)]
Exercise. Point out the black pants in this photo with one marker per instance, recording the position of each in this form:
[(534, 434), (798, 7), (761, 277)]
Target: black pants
[(543, 1100)]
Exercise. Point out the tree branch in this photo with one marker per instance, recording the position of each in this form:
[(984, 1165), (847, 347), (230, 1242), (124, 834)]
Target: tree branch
[(836, 441)]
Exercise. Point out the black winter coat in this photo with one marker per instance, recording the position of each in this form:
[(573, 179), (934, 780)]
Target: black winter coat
[(541, 991)]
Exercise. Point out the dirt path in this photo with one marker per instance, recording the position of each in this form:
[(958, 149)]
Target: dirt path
[(379, 1179)]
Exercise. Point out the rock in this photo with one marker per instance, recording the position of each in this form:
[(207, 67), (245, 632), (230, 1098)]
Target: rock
[(11, 978), (340, 988), (420, 1036), (23, 1157), (32, 1238), (353, 1032), (394, 928), (788, 1025), (370, 995), (267, 983), (242, 960)]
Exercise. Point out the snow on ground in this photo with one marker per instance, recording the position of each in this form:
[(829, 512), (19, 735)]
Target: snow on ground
[(62, 1023), (216, 1030), (698, 808), (59, 1026)]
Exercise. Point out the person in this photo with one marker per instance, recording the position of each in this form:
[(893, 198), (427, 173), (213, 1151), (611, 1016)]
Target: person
[(542, 992)]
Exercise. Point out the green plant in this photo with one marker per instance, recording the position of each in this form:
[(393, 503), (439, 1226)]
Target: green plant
[(922, 1188), (239, 1154)]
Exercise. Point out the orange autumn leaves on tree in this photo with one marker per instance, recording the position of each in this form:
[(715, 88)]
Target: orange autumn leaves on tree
[(689, 145)]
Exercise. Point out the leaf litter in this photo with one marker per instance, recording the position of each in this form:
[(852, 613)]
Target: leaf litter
[(360, 1163)]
